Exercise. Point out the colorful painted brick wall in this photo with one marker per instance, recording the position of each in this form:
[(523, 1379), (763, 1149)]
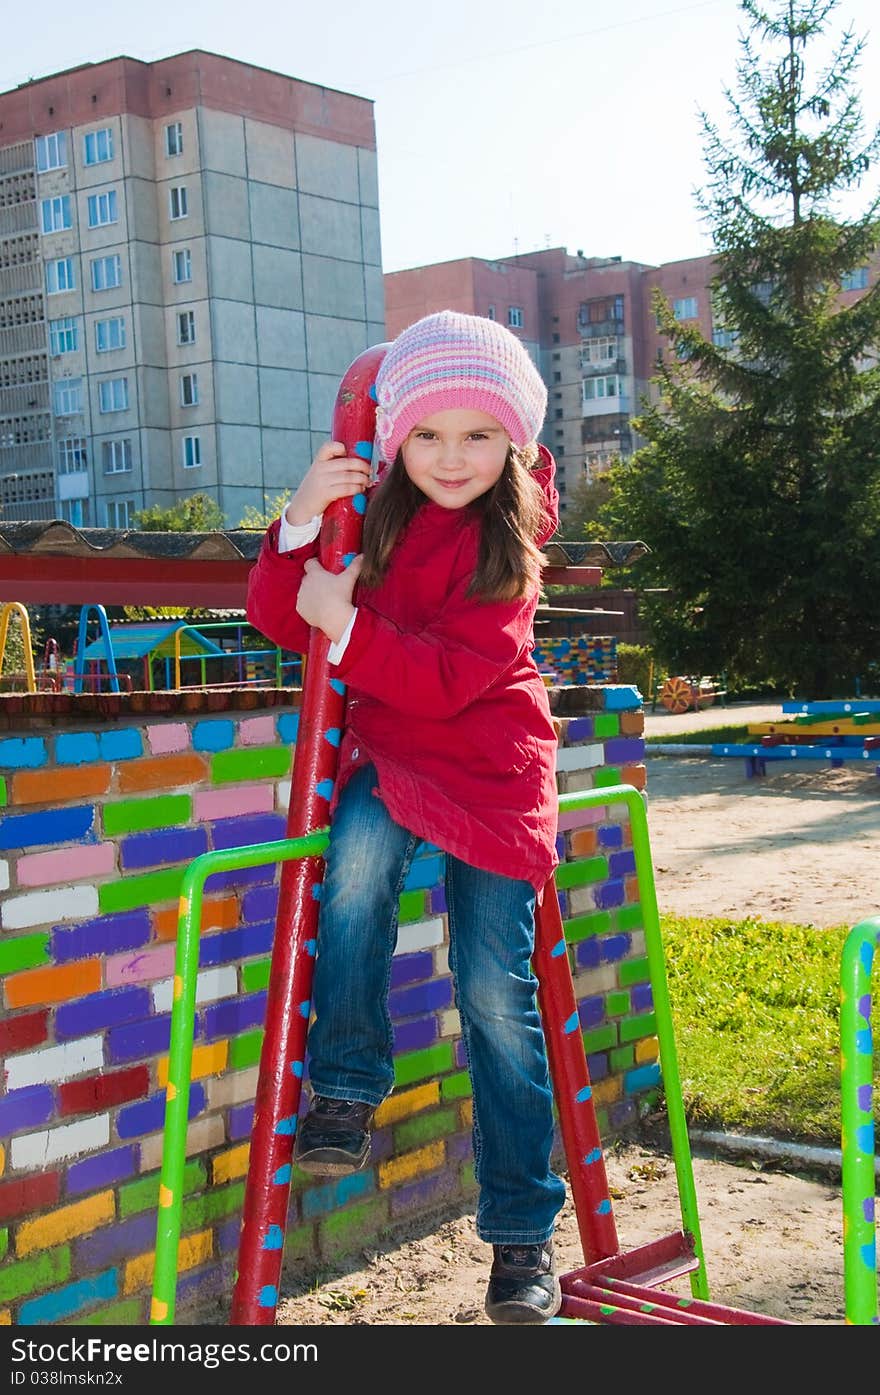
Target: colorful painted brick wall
[(101, 815), (581, 659)]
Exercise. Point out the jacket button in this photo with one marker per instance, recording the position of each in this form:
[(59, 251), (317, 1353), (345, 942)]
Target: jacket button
[(355, 753)]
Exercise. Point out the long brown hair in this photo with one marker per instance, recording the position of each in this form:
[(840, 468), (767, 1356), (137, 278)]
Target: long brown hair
[(509, 561)]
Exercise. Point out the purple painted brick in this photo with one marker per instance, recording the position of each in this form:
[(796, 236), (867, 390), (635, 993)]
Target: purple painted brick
[(251, 828), (383, 1145), (236, 1015), (239, 1119), (578, 729), (103, 1170), (107, 934), (411, 968), (134, 1236), (587, 954), (611, 837), (621, 1113), (622, 864), (21, 1109), (245, 876), (162, 846), (149, 1115), (260, 904), (248, 942), (228, 1235), (459, 1147), (614, 947), (410, 1036), (597, 1066), (591, 1011), (621, 750), (437, 899), (428, 1191), (423, 997), (609, 894), (139, 1039), (460, 1054), (560, 846), (642, 998), (99, 1011), (198, 1285)]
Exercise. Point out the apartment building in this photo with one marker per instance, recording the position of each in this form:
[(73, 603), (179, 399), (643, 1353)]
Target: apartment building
[(189, 260)]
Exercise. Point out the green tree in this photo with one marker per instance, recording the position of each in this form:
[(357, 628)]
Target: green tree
[(198, 513), (585, 505), (758, 491), (261, 518)]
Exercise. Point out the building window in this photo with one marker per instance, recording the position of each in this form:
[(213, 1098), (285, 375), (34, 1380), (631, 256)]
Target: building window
[(55, 215), (116, 456), (515, 316), (51, 151), (109, 334), (189, 390), (60, 276), (72, 456), (103, 209), (617, 309), (75, 511), (192, 452), (186, 327), (490, 314), (177, 201), (63, 336), (724, 338), (601, 350), (68, 397), (106, 273), (685, 308), (855, 280), (601, 387), (113, 395), (174, 139), (98, 147), (119, 512), (181, 266)]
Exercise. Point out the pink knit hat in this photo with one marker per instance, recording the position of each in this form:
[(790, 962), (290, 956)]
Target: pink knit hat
[(448, 360)]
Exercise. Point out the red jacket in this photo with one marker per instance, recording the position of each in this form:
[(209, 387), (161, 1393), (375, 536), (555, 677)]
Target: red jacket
[(444, 697)]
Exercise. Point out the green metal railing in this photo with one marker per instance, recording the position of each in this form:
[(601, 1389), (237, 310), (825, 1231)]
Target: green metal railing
[(857, 1124)]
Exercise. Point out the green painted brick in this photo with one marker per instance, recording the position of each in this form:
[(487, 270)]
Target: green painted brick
[(4, 1243), (148, 890), (200, 1211), (621, 1058), (412, 906), (24, 952), (347, 1231), (617, 1003), (629, 917), (300, 1244), (36, 1274), (418, 1065), (581, 927), (250, 763), (425, 1128), (633, 1028), (634, 971), (602, 1122), (4, 797), (607, 775), (455, 1087), (582, 871), (255, 976), (124, 1314), (245, 1050), (137, 815), (143, 1194), (600, 1038), (468, 1177), (606, 724)]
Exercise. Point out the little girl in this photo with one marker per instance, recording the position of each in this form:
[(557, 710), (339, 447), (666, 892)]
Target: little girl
[(448, 740)]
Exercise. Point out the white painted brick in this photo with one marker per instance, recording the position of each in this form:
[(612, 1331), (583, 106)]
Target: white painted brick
[(421, 934), (572, 781), (201, 1136), (211, 984), (592, 981), (441, 961), (579, 757), (4, 875), (233, 1088), (33, 1151), (282, 794), (581, 899), (43, 907), (450, 1023), (54, 1063)]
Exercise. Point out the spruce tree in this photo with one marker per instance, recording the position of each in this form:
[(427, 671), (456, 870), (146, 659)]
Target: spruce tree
[(758, 490)]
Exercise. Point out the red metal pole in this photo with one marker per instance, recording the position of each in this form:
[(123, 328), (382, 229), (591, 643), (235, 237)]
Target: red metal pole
[(279, 1086)]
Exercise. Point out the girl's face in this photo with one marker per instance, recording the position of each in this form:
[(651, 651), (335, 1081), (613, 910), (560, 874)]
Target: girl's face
[(455, 456)]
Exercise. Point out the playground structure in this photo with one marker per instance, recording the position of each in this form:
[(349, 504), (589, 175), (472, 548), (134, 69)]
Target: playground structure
[(833, 732)]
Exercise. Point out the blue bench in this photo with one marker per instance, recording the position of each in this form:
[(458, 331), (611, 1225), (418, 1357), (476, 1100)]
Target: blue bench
[(756, 756)]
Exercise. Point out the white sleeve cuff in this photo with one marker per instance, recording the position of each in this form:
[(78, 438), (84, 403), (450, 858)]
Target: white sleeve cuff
[(294, 535), (336, 651)]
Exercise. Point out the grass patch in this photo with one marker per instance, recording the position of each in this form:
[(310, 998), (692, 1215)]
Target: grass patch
[(702, 738), (756, 1007)]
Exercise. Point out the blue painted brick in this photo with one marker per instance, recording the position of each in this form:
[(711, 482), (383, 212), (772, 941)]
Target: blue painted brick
[(611, 837), (560, 846), (621, 698), (246, 876), (622, 864), (642, 1078), (411, 968), (76, 748), (68, 825), (228, 1235), (579, 729), (615, 947), (98, 1011), (412, 1036), (107, 934), (591, 1012), (317, 1201), (248, 942), (65, 1302), (641, 997), (165, 845), (103, 1170), (424, 872), (139, 1039), (288, 727), (423, 997), (597, 1066), (22, 1109), (125, 743), (609, 894), (23, 753), (252, 828), (136, 1235), (621, 1113), (622, 750), (240, 1118), (259, 904), (215, 735), (460, 1054), (437, 899), (199, 1286), (236, 1015), (147, 1116), (587, 954)]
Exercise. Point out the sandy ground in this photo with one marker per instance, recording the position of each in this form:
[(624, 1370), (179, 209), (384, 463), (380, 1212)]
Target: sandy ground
[(798, 844)]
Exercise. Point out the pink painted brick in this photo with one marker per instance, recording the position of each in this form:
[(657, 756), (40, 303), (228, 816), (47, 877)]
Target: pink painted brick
[(70, 865), (141, 967), (257, 731), (168, 736), (580, 818), (229, 803)]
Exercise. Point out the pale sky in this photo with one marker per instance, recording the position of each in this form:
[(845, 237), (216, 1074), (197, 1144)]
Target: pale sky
[(503, 126)]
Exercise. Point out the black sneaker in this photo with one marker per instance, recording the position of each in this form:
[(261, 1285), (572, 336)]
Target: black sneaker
[(334, 1137), (523, 1286)]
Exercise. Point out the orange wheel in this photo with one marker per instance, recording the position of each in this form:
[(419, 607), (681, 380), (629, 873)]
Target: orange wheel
[(677, 694)]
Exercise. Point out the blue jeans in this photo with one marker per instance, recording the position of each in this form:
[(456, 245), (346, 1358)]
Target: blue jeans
[(491, 939)]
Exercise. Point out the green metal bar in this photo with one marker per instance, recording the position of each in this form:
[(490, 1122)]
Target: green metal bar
[(186, 968), (857, 1124), (681, 1152)]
